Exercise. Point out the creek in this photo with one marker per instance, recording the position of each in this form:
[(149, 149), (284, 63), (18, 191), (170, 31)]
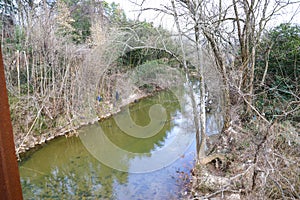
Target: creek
[(146, 151)]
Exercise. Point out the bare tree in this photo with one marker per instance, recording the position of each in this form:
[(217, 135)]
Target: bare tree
[(200, 122)]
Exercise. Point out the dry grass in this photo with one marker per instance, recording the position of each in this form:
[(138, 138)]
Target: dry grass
[(263, 163)]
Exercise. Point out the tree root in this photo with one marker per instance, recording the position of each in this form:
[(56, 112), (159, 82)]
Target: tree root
[(207, 159), (206, 181)]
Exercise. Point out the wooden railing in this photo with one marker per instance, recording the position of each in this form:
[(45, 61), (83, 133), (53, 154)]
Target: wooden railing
[(10, 187)]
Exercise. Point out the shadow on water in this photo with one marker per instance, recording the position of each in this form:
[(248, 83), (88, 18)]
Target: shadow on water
[(67, 168)]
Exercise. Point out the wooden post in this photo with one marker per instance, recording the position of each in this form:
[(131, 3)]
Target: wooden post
[(10, 187)]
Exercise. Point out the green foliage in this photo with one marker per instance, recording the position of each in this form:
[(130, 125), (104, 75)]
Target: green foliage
[(81, 16), (114, 13), (82, 11), (284, 58), (140, 56), (285, 54), (282, 79), (16, 39)]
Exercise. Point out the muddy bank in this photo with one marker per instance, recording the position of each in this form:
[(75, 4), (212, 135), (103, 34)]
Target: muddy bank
[(103, 110)]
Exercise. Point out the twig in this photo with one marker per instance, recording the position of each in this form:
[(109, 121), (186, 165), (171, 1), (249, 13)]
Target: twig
[(242, 174), (278, 185), (220, 191), (253, 108), (291, 185), (37, 116)]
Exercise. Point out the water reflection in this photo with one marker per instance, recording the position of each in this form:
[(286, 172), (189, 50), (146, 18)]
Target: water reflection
[(122, 149), (65, 169)]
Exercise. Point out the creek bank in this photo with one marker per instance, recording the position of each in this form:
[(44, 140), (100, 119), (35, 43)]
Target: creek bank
[(260, 158), (104, 110)]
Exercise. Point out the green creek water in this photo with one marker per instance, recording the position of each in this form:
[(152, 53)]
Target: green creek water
[(108, 162)]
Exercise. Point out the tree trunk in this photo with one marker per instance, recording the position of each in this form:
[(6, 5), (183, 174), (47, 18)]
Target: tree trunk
[(201, 144), (267, 65), (222, 68)]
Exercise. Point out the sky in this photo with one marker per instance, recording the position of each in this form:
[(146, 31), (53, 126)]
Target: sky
[(166, 21)]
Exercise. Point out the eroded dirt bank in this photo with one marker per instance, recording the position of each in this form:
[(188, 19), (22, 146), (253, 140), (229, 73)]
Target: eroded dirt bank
[(103, 110)]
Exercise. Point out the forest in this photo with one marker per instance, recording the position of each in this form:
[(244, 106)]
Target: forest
[(69, 63)]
